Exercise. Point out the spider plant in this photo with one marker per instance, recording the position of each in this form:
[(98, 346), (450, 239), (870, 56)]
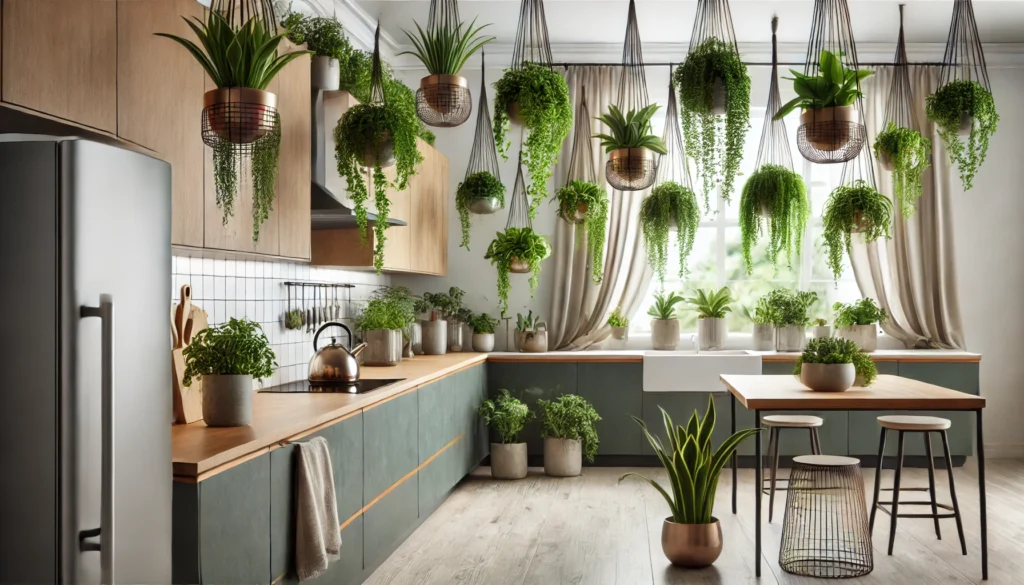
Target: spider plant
[(632, 130), (445, 49), (711, 304)]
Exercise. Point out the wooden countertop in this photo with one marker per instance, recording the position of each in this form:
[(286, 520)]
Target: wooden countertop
[(276, 418), (637, 356)]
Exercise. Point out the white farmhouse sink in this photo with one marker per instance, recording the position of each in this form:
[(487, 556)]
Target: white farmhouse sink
[(689, 371)]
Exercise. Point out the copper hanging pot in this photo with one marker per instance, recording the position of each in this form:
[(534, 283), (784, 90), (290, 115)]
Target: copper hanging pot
[(239, 115)]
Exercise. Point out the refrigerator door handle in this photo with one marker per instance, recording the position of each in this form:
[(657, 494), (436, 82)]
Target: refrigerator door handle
[(106, 531)]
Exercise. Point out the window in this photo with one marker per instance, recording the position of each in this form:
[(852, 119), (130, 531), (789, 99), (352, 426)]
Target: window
[(717, 256)]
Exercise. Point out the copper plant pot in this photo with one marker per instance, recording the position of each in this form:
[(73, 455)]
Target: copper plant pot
[(441, 92), (380, 153), (691, 545), (239, 115), (517, 266), (630, 164), (828, 129)]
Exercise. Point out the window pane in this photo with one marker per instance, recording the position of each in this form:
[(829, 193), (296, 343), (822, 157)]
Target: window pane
[(703, 271), (764, 277)]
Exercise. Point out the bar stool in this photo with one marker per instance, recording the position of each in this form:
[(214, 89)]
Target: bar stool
[(925, 425), (776, 423)]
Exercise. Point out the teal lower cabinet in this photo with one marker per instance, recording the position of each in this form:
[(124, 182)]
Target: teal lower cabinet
[(616, 391), (532, 381), (388, 522)]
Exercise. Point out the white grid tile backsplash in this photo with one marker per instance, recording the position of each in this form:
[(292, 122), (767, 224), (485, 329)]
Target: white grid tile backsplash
[(255, 289)]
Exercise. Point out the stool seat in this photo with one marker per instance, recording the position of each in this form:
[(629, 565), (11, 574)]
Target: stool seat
[(792, 421), (826, 461), (914, 423)]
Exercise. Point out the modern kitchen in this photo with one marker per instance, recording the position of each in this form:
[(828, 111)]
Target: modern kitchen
[(511, 292)]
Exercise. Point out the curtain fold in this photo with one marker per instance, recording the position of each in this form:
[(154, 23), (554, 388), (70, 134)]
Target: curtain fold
[(578, 306), (913, 276)]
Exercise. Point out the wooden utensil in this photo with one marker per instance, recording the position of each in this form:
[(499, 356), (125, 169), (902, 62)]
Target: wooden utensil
[(189, 319)]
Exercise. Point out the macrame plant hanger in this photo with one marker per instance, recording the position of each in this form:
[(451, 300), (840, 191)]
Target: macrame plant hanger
[(964, 59), (632, 169), (483, 158), (713, 21), (532, 44), (673, 166), (381, 154), (519, 208), (443, 101), (238, 12), (581, 162)]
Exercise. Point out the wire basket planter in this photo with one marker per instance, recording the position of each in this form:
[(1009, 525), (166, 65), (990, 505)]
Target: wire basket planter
[(444, 101)]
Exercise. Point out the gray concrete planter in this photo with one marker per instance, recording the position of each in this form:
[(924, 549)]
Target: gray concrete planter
[(325, 73), (227, 400), (483, 342), (712, 334), (435, 337), (764, 337), (383, 347), (508, 461), (563, 457), (865, 336), (820, 331), (664, 334), (828, 377), (791, 338)]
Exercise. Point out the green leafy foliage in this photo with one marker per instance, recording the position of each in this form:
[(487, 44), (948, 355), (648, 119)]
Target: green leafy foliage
[(506, 415), (833, 86), (571, 417), (323, 35), (692, 464), (714, 142), (909, 154), (632, 130), (856, 207), (669, 205), (404, 301), (617, 319), (544, 106), (775, 198), (381, 313), (785, 307), (764, 312), (482, 323), (449, 304), (516, 244), (584, 195), (444, 49), (664, 307), (946, 106), (527, 323), (836, 350), (479, 185), (710, 303), (862, 312), (236, 348), (263, 173)]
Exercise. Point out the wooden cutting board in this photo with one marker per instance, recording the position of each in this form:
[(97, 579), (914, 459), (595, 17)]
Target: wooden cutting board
[(186, 321)]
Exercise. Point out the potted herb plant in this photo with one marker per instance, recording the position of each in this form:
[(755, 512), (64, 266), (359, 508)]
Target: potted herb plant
[(586, 204), (507, 416), (789, 314), (324, 36), (452, 312), (619, 324), (407, 304), (630, 147), (531, 334), (538, 98), (518, 250), (435, 326), (834, 364), (964, 108), (907, 154), (711, 306), (857, 208), (821, 329), (664, 325), (483, 332), (670, 205), (570, 434), (691, 536), (713, 82), (859, 322), (480, 192), (241, 63), (763, 318), (227, 358), (775, 200), (381, 323)]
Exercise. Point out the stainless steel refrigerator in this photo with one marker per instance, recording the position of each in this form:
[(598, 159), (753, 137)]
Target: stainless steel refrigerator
[(85, 391)]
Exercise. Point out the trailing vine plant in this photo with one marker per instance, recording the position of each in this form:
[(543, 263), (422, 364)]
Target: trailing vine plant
[(775, 198), (669, 205), (479, 185), (521, 244), (854, 208), (947, 106), (592, 201), (907, 152)]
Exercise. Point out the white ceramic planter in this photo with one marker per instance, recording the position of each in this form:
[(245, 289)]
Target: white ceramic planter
[(508, 461), (664, 334), (791, 338), (435, 337), (563, 457), (325, 73), (712, 334), (821, 331), (828, 377), (227, 400), (764, 337), (620, 333), (483, 342), (865, 336)]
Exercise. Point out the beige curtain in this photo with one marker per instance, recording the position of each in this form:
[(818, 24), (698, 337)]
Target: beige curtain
[(579, 308), (913, 276)]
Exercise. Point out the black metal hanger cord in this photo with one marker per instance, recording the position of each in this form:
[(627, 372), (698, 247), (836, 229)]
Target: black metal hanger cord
[(519, 209), (899, 107), (532, 42), (964, 58), (237, 12), (713, 20), (581, 162), (672, 166), (774, 148), (443, 13), (484, 155), (377, 76), (633, 81)]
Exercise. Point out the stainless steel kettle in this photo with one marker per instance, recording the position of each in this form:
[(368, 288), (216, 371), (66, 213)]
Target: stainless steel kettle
[(334, 363)]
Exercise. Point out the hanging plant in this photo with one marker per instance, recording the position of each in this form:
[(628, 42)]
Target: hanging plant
[(539, 97), (670, 205), (586, 204), (905, 152), (711, 82), (517, 250), (856, 208), (481, 186), (964, 108), (630, 146), (774, 197)]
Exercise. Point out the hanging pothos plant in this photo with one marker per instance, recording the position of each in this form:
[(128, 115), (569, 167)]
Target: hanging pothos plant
[(856, 208), (774, 197), (542, 99), (952, 108), (670, 205), (906, 153), (586, 204), (479, 185), (517, 245), (713, 141)]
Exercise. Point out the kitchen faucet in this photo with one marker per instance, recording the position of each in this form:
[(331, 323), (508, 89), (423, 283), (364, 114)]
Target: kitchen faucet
[(696, 344)]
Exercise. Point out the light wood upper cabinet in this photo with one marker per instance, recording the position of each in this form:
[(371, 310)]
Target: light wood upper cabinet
[(428, 220), (293, 175), (59, 57)]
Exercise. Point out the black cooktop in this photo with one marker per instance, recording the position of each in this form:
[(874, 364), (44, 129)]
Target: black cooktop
[(357, 387)]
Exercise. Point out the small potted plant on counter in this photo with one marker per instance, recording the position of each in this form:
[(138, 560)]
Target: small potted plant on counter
[(570, 434), (691, 536), (483, 332), (381, 323), (859, 322), (408, 304), (531, 334), (227, 358), (664, 325), (619, 324), (447, 314), (789, 312), (507, 416), (763, 318), (834, 364), (711, 306), (821, 329)]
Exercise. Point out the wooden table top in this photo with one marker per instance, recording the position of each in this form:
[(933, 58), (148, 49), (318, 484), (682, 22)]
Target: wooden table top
[(785, 392)]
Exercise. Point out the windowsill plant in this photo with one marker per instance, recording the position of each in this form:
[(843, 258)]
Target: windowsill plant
[(789, 312), (907, 154), (857, 208), (568, 426), (763, 317), (483, 332), (507, 416), (665, 325), (619, 324), (531, 334), (834, 364), (711, 307), (586, 205), (774, 199), (519, 250), (821, 329), (964, 108), (631, 146), (859, 322), (670, 205), (481, 186)]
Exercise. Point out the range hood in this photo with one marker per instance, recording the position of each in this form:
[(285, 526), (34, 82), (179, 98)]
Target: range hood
[(327, 210)]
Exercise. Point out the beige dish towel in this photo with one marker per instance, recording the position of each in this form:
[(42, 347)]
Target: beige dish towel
[(317, 533)]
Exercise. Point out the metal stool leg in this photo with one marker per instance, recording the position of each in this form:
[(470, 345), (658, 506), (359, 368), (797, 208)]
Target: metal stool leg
[(773, 458), (896, 494), (815, 441), (952, 493), (931, 481), (878, 479)]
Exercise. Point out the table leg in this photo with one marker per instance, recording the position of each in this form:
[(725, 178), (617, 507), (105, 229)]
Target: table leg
[(981, 497), (757, 497), (735, 454)]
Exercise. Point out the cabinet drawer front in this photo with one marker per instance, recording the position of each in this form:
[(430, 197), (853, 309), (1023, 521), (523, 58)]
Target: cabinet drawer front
[(390, 447), (234, 524)]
